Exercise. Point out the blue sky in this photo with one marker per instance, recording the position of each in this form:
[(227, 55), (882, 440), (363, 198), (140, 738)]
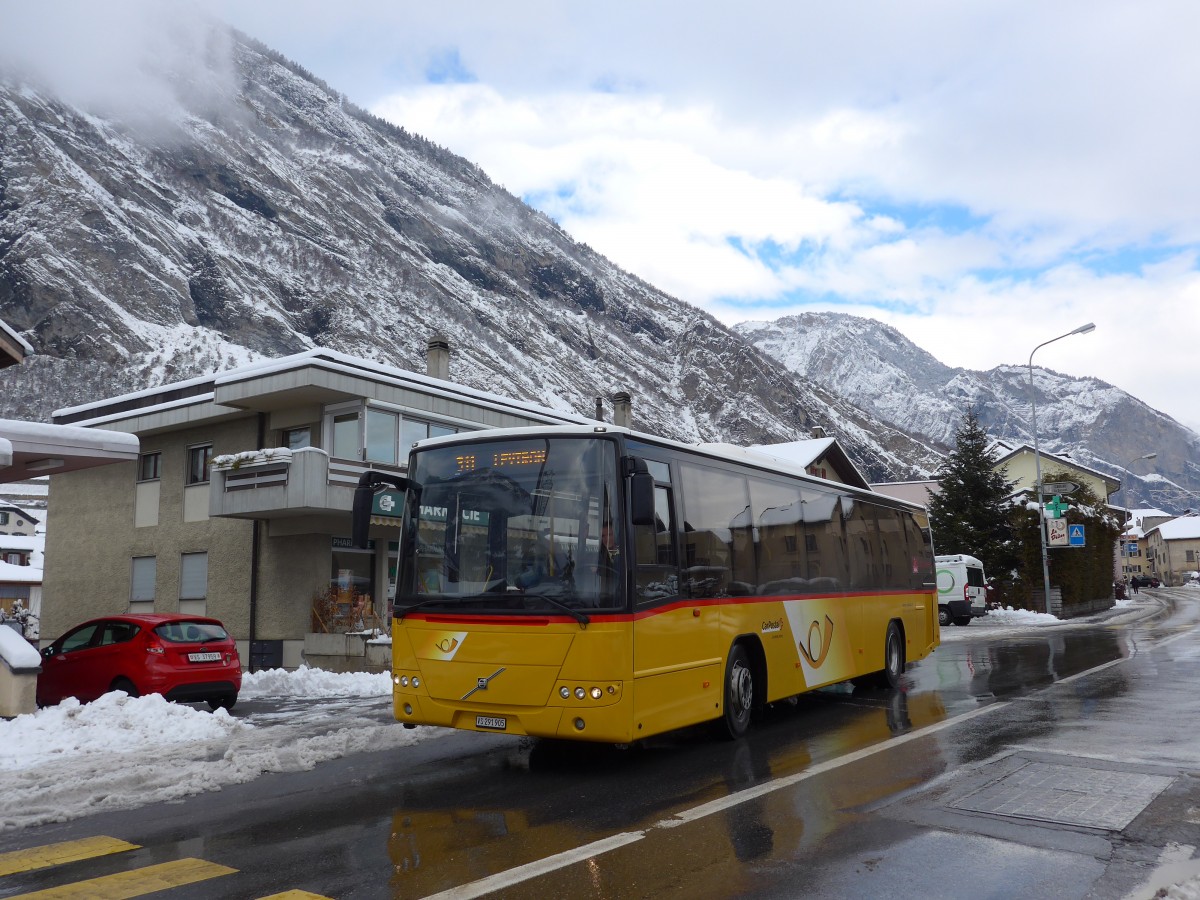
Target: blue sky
[(981, 176)]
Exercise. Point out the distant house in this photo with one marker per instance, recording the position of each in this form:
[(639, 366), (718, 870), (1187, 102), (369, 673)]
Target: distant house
[(823, 457), (1018, 464), (1133, 558), (14, 520), (21, 571), (1173, 549)]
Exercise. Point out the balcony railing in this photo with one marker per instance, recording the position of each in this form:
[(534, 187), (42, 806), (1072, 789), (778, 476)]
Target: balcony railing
[(284, 484)]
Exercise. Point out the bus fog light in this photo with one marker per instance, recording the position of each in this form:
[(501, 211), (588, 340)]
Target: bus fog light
[(580, 693), (564, 692), (408, 709), (597, 693), (579, 724)]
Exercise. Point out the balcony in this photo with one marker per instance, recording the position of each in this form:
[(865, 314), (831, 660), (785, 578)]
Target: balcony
[(283, 484)]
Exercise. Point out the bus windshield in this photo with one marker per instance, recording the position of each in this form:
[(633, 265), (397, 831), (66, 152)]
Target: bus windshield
[(513, 526)]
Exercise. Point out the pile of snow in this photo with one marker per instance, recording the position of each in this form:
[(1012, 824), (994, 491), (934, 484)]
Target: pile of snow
[(307, 682), (120, 752)]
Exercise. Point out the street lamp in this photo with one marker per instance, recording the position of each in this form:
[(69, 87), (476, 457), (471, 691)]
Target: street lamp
[(1037, 457), (1129, 515)]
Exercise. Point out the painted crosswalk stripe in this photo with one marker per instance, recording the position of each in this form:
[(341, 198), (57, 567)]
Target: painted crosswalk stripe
[(134, 883), (64, 852)]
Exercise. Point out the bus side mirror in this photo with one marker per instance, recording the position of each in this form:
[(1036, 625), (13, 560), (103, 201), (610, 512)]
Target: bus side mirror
[(364, 496), (641, 498)]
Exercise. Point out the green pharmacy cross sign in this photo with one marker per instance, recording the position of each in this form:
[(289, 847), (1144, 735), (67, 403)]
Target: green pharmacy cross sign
[(1057, 507)]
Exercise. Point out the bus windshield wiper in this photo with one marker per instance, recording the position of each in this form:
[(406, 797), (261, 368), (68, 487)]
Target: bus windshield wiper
[(580, 617)]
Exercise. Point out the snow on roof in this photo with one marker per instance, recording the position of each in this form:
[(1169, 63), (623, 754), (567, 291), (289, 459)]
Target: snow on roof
[(16, 338), (10, 574), (800, 453), (1181, 529), (22, 541), (320, 356), (75, 437)]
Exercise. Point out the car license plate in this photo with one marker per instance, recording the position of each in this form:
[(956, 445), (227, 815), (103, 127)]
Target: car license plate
[(204, 657), (496, 723)]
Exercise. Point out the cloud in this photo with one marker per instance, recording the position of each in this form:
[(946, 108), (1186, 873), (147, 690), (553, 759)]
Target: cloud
[(135, 60)]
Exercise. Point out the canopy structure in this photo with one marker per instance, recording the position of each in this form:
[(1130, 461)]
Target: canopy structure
[(32, 449)]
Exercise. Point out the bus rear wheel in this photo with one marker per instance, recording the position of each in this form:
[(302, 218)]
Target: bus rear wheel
[(739, 692)]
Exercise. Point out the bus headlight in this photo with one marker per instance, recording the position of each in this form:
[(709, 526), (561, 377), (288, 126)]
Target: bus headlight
[(402, 681), (564, 692), (416, 682), (580, 693), (597, 693)]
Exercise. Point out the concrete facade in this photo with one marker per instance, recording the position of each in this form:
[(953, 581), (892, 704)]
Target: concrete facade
[(270, 521)]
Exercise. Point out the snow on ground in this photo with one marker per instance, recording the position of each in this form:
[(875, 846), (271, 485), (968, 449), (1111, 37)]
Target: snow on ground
[(1002, 622), (119, 752)]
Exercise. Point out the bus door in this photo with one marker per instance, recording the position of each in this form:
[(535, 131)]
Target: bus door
[(677, 666)]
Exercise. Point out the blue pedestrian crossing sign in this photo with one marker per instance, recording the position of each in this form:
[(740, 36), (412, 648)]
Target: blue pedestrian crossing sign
[(1075, 535)]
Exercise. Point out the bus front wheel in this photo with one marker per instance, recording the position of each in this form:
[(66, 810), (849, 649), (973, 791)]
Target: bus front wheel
[(739, 692), (893, 657)]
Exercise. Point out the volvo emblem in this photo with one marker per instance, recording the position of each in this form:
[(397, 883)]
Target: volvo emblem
[(481, 684)]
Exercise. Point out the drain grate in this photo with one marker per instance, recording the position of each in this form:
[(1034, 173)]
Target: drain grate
[(1068, 795)]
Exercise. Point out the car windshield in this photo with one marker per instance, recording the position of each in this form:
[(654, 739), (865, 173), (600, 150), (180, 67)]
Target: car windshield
[(514, 526), (191, 632)]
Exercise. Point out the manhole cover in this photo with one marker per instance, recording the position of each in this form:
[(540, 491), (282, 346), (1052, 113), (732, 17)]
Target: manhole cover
[(1068, 795)]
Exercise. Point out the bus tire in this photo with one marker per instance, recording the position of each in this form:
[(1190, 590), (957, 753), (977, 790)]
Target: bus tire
[(739, 692), (893, 658)]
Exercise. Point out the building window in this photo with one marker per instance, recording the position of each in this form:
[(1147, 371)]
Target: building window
[(144, 573), (149, 465), (412, 430), (346, 441), (381, 436), (297, 438), (198, 460), (193, 583)]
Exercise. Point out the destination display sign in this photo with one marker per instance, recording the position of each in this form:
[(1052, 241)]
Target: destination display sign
[(501, 459)]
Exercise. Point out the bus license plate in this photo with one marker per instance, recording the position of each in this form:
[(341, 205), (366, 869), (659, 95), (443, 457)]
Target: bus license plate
[(204, 657), (496, 723)]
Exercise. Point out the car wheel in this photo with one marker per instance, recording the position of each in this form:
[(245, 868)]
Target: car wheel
[(963, 620), (225, 701), (124, 684), (944, 616), (739, 692)]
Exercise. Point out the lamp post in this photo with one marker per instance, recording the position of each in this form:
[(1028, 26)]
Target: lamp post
[(1128, 516), (1037, 457)]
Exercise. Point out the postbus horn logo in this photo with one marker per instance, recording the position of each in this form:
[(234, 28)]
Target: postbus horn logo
[(822, 641)]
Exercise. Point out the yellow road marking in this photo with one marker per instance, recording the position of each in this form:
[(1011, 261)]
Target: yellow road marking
[(296, 895), (63, 852), (135, 883)]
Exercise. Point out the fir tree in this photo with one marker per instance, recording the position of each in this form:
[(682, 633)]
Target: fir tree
[(971, 513)]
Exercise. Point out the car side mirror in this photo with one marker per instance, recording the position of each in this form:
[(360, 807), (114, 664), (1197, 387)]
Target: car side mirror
[(48, 652)]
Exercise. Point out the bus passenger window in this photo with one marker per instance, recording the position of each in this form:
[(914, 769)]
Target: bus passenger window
[(657, 573)]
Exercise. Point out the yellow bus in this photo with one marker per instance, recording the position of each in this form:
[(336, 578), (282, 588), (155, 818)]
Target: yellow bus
[(598, 584)]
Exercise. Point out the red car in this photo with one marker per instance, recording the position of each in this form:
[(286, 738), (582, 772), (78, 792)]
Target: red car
[(188, 658)]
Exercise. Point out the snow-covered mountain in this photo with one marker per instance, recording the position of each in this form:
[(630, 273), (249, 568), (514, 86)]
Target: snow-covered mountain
[(876, 368), (252, 212)]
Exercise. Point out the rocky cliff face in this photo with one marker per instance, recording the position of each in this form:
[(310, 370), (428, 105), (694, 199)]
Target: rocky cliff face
[(255, 213), (876, 368)]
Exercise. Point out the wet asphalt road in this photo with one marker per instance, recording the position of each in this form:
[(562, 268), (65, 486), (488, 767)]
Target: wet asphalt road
[(1055, 762)]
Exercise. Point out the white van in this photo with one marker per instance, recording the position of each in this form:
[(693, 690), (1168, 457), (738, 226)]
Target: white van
[(962, 589)]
